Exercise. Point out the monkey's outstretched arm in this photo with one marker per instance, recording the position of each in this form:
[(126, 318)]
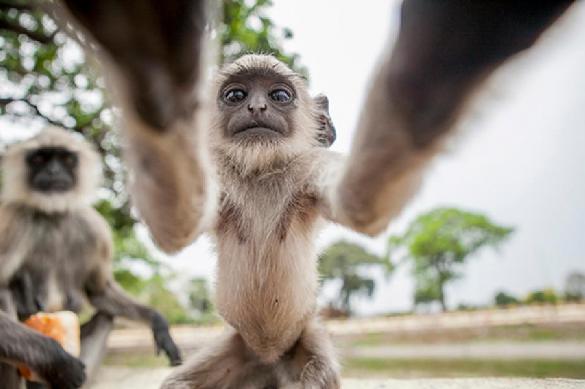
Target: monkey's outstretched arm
[(443, 52), (112, 300), (153, 49)]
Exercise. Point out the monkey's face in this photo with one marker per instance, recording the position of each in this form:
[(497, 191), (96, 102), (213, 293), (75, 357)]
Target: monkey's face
[(257, 108), (263, 114), (51, 169)]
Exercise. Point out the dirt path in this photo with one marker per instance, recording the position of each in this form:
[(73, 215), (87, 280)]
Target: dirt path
[(111, 378)]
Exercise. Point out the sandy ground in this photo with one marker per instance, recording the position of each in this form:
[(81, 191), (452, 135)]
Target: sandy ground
[(111, 377)]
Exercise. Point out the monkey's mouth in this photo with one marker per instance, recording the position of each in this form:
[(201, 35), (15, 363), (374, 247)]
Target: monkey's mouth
[(257, 130), (52, 185)]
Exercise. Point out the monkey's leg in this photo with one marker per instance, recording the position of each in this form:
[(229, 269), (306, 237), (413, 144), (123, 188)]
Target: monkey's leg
[(312, 362), (225, 364), (113, 301), (94, 338)]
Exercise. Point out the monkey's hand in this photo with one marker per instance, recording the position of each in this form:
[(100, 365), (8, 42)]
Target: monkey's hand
[(164, 341), (327, 133), (155, 45), (59, 368)]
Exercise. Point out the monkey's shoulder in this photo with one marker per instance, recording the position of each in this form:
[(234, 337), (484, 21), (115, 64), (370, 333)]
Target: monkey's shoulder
[(267, 212), (79, 231)]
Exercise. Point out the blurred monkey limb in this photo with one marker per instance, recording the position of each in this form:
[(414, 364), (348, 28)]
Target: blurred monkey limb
[(443, 52), (154, 59)]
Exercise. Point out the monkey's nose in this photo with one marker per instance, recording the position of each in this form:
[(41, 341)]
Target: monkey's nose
[(257, 104), (257, 107)]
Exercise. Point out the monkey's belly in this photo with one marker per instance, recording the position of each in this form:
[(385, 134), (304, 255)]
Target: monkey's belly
[(267, 300)]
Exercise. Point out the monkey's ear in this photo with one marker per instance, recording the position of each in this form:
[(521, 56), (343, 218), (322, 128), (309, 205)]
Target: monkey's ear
[(327, 133)]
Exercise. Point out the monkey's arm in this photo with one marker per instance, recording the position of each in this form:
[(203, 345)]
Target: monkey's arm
[(21, 345), (107, 296), (443, 52), (153, 49), (12, 232)]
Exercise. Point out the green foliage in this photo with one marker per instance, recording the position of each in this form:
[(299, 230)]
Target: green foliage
[(504, 299), (342, 261), (247, 29), (575, 287), (544, 296), (165, 301), (439, 242)]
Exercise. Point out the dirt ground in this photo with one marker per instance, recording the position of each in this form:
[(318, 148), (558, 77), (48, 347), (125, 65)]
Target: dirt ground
[(112, 377)]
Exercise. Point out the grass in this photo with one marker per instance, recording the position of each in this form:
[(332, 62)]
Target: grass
[(446, 368), (518, 333), (410, 368)]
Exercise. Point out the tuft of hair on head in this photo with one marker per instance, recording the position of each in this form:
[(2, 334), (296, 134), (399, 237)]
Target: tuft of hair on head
[(15, 186), (251, 157)]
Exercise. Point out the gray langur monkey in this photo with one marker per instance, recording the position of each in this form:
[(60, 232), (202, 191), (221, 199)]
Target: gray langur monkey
[(56, 253), (258, 180)]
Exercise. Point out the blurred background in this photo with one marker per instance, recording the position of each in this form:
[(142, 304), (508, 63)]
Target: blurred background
[(482, 274)]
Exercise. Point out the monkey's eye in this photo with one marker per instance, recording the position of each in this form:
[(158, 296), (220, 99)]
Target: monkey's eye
[(70, 159), (234, 96), (36, 159), (281, 96)]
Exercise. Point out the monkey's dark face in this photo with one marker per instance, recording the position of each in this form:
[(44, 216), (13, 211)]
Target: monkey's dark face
[(257, 107), (52, 169)]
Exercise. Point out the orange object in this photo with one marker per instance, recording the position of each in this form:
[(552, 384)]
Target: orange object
[(61, 326)]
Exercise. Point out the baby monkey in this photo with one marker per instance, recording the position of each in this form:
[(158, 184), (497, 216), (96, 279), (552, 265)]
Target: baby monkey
[(267, 137)]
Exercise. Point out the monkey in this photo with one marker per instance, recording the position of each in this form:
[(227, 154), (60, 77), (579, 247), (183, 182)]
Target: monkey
[(260, 182), (55, 254)]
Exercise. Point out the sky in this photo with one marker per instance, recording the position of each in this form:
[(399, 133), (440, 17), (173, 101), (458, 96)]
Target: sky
[(520, 157)]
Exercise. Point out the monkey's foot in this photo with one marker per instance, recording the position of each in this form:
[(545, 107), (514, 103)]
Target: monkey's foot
[(312, 363)]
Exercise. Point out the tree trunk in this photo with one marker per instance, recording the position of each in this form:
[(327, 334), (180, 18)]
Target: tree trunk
[(442, 296)]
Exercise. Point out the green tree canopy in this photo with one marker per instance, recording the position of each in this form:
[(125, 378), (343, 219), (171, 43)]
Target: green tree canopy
[(503, 299), (344, 262), (544, 296), (438, 244)]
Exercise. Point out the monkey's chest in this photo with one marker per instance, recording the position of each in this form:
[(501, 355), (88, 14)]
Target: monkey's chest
[(54, 269), (267, 278)]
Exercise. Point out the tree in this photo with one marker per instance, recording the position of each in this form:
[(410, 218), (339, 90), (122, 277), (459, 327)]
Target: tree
[(504, 299), (438, 243), (45, 80), (575, 287), (344, 261), (199, 298), (544, 296)]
